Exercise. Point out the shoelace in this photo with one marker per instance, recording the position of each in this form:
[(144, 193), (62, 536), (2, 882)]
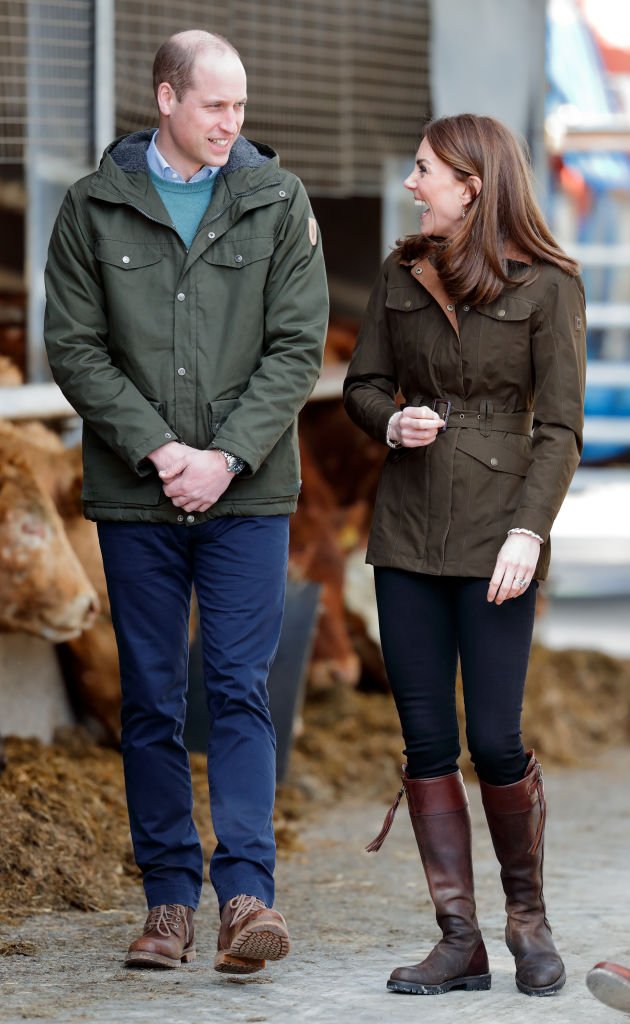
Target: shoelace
[(243, 906), (164, 919)]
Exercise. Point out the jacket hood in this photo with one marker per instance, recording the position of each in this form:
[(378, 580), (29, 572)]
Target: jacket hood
[(129, 152)]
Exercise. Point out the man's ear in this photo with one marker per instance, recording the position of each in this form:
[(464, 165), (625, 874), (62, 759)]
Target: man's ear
[(166, 98)]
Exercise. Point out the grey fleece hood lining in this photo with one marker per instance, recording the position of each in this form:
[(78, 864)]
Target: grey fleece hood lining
[(130, 153)]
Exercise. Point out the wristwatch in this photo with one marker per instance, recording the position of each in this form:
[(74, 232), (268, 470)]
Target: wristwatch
[(234, 464)]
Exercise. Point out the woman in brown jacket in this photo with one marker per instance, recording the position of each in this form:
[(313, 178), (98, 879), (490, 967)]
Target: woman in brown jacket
[(478, 322)]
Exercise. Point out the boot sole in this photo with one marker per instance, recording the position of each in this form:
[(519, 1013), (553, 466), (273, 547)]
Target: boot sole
[(479, 983), (609, 988), (546, 990), (146, 959), (251, 948)]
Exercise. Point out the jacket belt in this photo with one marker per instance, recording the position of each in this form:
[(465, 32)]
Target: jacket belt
[(507, 422)]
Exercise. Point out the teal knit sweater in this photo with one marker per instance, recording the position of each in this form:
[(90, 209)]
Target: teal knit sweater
[(186, 203)]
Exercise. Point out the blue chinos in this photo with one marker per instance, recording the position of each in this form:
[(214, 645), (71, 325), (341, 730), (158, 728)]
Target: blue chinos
[(238, 567)]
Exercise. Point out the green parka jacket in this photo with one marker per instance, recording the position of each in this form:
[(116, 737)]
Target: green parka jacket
[(513, 371), (217, 346)]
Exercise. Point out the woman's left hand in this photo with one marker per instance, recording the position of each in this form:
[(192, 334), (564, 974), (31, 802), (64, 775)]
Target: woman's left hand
[(516, 564)]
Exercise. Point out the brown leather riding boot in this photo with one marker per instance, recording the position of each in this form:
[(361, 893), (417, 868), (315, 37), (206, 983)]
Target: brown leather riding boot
[(168, 939), (441, 823), (516, 818), (250, 934)]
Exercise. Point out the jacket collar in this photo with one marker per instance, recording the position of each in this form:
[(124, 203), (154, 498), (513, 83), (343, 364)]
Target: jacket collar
[(426, 275), (123, 174), (129, 152)]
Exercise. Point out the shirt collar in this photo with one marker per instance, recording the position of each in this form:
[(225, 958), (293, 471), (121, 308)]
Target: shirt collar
[(159, 166)]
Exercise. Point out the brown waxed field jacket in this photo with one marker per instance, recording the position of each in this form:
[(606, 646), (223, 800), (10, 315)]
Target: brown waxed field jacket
[(514, 373)]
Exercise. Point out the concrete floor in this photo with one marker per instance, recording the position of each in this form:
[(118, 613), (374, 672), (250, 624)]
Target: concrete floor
[(353, 918)]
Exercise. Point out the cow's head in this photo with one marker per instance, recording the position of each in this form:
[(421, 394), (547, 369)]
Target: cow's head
[(43, 587)]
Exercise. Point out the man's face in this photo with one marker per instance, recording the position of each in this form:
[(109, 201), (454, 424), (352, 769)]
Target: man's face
[(201, 129)]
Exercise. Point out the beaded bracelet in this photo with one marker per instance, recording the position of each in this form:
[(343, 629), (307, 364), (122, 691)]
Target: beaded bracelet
[(530, 533)]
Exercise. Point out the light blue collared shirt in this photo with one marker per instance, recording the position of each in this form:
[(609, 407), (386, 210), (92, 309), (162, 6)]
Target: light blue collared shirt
[(162, 169)]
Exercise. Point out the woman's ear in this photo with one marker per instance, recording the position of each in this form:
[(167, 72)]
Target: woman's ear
[(472, 189)]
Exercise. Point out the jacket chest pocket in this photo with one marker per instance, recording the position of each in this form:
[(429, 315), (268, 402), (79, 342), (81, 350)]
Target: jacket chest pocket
[(504, 342), (251, 255), (126, 258), (405, 314), (138, 285)]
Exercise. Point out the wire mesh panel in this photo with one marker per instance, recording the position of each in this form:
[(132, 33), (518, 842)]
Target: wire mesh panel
[(335, 87), (45, 78)]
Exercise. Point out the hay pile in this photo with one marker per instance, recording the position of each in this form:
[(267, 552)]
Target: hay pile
[(65, 839)]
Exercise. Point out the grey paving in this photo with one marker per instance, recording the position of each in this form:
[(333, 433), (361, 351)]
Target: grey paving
[(354, 917)]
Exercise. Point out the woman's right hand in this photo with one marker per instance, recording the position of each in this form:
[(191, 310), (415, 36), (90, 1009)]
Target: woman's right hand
[(415, 426)]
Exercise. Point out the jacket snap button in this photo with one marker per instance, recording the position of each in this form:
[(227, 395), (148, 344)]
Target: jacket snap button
[(190, 519), (466, 309), (494, 462), (462, 415), (125, 259), (501, 312), (211, 234), (418, 270), (168, 435), (180, 296), (450, 307), (282, 194), (181, 371), (239, 259), (408, 304), (180, 519)]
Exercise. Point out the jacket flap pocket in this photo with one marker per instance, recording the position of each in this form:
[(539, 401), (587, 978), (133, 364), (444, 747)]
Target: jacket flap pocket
[(218, 412), (507, 307), (493, 454), (239, 253), (127, 255), (407, 299)]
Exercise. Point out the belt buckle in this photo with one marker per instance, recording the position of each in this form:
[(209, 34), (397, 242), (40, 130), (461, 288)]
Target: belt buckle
[(443, 408)]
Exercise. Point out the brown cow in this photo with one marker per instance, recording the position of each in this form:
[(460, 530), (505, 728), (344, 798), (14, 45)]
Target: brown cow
[(43, 588)]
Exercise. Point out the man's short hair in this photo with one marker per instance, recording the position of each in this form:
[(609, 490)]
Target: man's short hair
[(175, 60)]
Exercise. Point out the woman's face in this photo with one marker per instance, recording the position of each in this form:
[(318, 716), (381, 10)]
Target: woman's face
[(434, 182)]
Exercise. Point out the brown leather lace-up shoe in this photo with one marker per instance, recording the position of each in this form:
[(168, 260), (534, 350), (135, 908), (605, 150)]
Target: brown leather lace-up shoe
[(168, 939), (250, 934)]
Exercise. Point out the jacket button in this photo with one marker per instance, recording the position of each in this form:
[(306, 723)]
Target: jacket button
[(211, 234), (450, 307), (493, 461), (418, 270), (282, 194), (408, 304), (501, 312), (190, 519), (125, 259), (180, 519), (181, 371), (181, 296), (466, 309), (238, 259), (168, 435)]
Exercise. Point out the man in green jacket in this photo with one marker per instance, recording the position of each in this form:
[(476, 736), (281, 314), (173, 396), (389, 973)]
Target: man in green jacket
[(185, 321)]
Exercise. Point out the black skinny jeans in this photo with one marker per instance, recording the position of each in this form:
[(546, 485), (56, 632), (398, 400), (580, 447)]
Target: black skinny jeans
[(425, 622)]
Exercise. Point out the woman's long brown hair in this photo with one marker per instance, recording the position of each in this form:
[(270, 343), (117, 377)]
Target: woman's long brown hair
[(471, 263)]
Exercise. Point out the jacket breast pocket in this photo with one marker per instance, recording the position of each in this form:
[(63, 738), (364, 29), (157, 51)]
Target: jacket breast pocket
[(251, 255), (139, 288), (504, 356), (405, 306)]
